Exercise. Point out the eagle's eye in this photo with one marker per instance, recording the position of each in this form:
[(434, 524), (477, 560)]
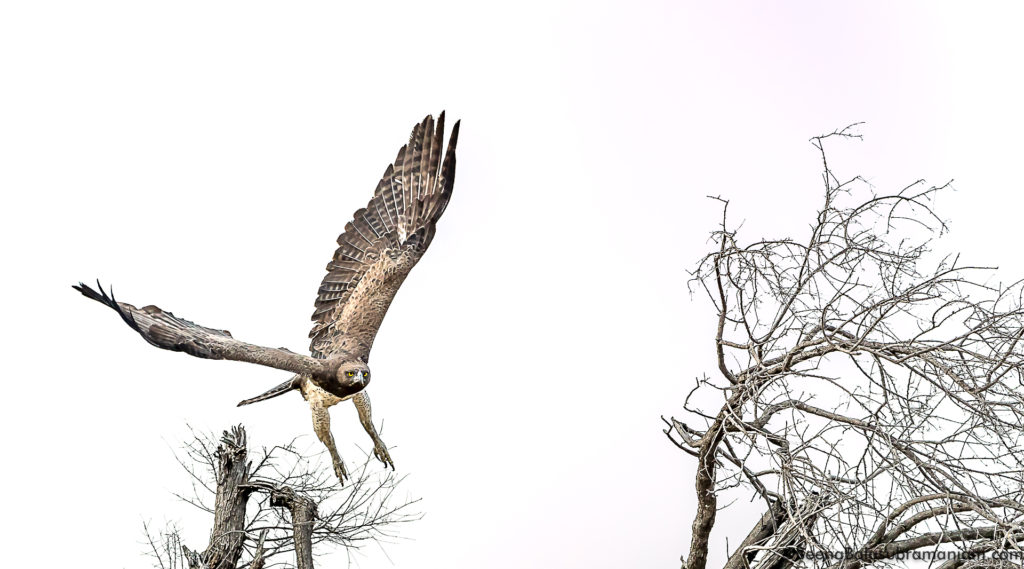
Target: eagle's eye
[(350, 373)]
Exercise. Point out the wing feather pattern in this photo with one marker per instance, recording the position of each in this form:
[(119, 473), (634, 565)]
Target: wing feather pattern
[(383, 242), (165, 330)]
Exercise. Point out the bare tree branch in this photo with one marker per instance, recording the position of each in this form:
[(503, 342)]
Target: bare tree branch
[(765, 528), (870, 388), (283, 504)]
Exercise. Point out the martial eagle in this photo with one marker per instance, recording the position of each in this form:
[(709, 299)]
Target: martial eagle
[(379, 247)]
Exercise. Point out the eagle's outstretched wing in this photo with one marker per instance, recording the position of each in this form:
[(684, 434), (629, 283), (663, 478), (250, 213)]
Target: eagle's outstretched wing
[(383, 242), (167, 331)]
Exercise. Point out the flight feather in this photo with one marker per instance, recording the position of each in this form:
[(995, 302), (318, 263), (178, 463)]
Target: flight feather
[(165, 330), (383, 242)]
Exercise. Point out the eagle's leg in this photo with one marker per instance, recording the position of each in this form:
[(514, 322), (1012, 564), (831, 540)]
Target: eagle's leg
[(380, 450), (322, 426)]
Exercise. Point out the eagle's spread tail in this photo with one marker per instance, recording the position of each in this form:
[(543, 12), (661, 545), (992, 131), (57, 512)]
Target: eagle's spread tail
[(290, 385)]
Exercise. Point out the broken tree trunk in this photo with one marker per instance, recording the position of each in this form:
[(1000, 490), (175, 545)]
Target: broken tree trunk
[(227, 538), (303, 515)]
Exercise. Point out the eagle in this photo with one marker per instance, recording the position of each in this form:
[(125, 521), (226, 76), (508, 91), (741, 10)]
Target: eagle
[(378, 248)]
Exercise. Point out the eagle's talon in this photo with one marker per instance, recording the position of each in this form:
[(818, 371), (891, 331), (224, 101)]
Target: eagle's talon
[(340, 471), (381, 452)]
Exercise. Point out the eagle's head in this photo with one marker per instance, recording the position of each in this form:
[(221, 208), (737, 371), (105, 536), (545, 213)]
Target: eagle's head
[(351, 377), (353, 373), (343, 376)]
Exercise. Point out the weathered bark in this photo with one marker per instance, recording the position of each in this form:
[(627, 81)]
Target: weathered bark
[(227, 538), (789, 544), (707, 505), (303, 516), (194, 559), (258, 561), (765, 527), (228, 533)]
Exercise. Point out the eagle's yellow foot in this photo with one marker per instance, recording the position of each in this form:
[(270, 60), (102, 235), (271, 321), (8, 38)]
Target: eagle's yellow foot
[(381, 452)]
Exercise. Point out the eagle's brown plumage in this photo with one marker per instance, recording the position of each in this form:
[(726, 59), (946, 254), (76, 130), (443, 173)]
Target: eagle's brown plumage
[(383, 242), (378, 248), (165, 330)]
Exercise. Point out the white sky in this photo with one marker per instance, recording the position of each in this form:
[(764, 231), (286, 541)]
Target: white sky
[(203, 156)]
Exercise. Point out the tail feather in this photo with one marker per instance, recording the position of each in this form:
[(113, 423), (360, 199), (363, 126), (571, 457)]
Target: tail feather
[(290, 385)]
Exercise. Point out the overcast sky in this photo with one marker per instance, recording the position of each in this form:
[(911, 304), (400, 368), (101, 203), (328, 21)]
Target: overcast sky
[(203, 156)]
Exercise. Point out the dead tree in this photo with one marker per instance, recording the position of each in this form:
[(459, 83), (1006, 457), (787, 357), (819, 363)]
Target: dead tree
[(869, 392), (275, 508)]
